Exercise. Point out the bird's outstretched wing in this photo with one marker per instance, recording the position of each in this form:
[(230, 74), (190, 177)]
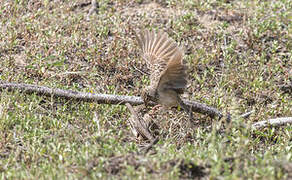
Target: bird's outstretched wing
[(156, 48), (164, 59), (174, 76)]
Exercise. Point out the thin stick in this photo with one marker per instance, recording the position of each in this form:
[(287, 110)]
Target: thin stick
[(140, 128), (99, 98), (273, 122), (246, 115)]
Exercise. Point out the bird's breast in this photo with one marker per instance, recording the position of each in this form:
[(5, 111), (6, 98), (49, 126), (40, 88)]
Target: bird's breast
[(168, 98)]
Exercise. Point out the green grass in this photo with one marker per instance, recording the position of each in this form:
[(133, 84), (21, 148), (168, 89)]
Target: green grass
[(238, 53)]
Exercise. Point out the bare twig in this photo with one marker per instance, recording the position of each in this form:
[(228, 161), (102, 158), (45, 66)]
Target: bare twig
[(273, 122), (136, 123), (246, 115), (99, 98), (203, 108)]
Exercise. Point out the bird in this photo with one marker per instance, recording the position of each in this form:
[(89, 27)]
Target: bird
[(168, 78)]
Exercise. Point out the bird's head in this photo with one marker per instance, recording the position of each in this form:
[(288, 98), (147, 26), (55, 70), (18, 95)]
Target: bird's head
[(149, 94)]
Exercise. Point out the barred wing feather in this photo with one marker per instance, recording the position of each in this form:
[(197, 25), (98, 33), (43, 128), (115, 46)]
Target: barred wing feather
[(164, 59)]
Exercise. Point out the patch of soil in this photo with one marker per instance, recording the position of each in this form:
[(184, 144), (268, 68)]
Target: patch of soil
[(116, 164), (188, 170)]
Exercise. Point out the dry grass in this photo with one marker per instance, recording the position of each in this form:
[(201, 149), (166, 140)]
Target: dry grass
[(238, 53)]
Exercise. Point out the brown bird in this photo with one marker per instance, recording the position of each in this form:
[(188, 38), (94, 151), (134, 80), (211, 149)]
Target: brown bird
[(167, 71)]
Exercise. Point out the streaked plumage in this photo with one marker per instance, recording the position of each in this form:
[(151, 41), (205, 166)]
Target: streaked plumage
[(167, 71)]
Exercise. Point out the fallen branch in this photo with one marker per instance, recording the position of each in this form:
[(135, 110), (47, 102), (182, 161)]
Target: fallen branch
[(272, 122), (203, 109), (99, 98)]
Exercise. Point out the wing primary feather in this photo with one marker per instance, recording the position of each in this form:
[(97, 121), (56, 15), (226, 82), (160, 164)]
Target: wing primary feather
[(168, 46), (164, 59), (160, 43), (149, 39), (169, 51), (164, 41), (154, 43)]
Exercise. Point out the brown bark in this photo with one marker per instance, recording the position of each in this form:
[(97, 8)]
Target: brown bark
[(99, 98)]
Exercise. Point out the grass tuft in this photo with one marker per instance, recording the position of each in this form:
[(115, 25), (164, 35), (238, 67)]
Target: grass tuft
[(238, 53)]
